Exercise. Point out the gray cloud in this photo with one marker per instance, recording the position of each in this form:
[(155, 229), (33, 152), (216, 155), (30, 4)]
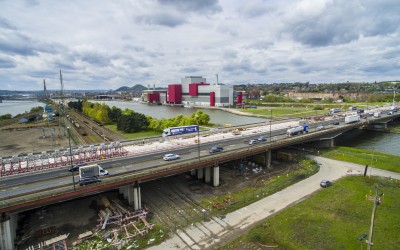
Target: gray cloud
[(338, 22), (5, 24), (162, 19), (15, 43), (7, 63), (203, 6)]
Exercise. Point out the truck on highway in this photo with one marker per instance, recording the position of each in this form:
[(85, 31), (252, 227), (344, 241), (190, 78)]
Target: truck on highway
[(297, 130), (351, 118), (393, 108), (377, 114), (180, 130), (92, 170)]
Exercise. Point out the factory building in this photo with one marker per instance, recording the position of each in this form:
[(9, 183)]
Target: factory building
[(193, 91)]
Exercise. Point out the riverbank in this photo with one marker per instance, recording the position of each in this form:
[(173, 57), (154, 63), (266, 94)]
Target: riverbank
[(364, 157)]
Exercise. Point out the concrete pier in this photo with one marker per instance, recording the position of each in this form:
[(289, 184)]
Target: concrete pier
[(216, 176), (8, 230)]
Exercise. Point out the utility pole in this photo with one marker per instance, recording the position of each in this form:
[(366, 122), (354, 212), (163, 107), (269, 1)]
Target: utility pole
[(376, 200), (270, 129), (198, 136), (70, 154)]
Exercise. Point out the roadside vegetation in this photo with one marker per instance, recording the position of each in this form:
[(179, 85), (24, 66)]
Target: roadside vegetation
[(220, 205), (364, 157), (333, 218)]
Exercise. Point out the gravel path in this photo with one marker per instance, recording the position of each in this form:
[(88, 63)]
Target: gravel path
[(209, 234)]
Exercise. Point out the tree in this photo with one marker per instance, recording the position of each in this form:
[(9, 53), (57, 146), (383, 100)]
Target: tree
[(132, 122)]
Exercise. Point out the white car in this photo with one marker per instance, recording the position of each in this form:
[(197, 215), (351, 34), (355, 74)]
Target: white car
[(253, 141), (171, 157), (320, 127)]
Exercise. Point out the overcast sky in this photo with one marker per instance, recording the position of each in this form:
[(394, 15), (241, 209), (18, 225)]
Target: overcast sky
[(102, 44)]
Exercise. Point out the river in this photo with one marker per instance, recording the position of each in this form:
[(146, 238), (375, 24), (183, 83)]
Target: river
[(160, 111), (15, 107), (372, 140)]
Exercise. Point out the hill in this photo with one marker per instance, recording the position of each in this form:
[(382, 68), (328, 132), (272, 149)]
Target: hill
[(136, 88)]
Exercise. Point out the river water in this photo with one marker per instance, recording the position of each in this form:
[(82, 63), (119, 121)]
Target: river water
[(372, 140), (15, 107), (159, 111)]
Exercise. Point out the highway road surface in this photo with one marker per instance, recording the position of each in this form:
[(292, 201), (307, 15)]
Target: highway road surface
[(210, 234)]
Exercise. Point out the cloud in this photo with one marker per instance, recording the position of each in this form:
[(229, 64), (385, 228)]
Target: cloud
[(7, 63), (5, 24), (324, 23), (203, 6), (162, 19)]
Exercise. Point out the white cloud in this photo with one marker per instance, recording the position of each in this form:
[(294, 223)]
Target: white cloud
[(106, 44)]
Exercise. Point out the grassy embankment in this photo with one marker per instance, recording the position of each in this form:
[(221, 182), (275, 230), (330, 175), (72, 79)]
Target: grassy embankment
[(283, 110), (219, 205), (332, 219), (364, 157), (132, 136)]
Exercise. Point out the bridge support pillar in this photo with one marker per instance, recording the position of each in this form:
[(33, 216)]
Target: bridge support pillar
[(200, 173), (268, 157), (8, 230), (207, 178), (332, 143), (137, 197), (216, 176)]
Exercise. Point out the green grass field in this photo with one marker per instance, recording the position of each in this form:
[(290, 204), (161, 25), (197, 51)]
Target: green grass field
[(332, 218), (138, 135), (233, 201), (364, 157)]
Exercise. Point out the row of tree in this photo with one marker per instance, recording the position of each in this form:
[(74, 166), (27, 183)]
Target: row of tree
[(130, 121)]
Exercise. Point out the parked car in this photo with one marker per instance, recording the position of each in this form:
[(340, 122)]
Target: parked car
[(88, 180), (253, 141), (262, 138), (171, 157), (216, 149), (325, 183), (76, 167), (336, 123)]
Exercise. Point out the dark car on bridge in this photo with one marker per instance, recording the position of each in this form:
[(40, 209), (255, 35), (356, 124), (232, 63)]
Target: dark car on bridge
[(88, 180), (76, 167), (262, 138), (216, 149)]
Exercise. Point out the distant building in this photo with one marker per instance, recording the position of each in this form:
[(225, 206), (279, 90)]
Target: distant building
[(193, 91)]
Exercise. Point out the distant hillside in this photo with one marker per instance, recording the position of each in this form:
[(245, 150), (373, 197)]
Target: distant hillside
[(136, 88)]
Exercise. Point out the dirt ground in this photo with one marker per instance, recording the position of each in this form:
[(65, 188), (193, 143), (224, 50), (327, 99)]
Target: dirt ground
[(172, 202), (24, 141)]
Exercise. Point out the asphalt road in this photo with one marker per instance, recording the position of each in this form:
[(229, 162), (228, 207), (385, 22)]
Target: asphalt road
[(209, 234)]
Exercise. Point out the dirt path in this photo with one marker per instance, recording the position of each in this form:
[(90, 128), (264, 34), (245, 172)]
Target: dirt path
[(208, 235)]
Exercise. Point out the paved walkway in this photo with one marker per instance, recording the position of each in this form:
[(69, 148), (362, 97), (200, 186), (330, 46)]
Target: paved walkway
[(205, 235)]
